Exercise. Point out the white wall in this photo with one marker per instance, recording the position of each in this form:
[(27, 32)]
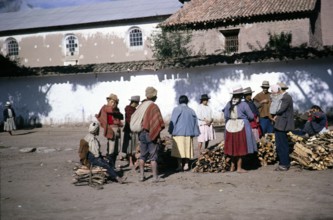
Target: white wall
[(57, 100)]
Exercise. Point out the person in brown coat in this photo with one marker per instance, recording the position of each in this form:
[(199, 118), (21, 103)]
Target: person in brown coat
[(262, 101), (284, 122)]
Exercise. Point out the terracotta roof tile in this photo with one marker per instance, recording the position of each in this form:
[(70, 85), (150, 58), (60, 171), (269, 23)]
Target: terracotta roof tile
[(205, 11)]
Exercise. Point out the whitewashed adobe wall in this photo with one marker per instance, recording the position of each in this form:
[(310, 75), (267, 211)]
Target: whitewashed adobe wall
[(73, 99)]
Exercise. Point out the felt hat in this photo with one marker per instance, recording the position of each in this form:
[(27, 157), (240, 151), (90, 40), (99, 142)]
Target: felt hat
[(8, 103), (94, 128), (113, 97), (265, 84), (204, 97), (237, 90), (248, 90), (151, 92), (135, 98), (283, 86)]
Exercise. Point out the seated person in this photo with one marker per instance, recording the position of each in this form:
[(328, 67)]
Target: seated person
[(317, 122), (94, 154)]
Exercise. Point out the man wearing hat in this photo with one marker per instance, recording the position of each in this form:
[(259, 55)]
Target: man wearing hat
[(262, 101), (110, 118), (205, 122), (9, 118), (94, 154), (130, 139), (284, 122), (152, 125)]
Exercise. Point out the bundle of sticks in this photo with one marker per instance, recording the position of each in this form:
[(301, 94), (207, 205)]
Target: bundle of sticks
[(267, 150), (93, 176), (314, 153), (212, 161)]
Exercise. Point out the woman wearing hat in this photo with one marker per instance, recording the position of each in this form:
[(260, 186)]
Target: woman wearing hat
[(110, 118), (130, 139), (205, 121), (9, 118), (239, 139)]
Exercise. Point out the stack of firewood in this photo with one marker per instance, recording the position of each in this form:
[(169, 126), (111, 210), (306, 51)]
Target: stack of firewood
[(267, 150), (212, 161), (95, 176), (315, 153)]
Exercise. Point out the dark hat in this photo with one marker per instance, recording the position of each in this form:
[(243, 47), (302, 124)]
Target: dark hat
[(8, 103), (248, 90), (135, 98), (265, 84), (204, 97)]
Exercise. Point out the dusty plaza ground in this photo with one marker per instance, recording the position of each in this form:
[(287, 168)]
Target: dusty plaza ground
[(38, 185)]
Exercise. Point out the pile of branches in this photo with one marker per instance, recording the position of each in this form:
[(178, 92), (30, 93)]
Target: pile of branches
[(213, 161), (93, 176), (314, 153), (267, 150)]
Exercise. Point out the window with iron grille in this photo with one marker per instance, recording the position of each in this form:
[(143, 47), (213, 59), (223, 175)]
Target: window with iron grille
[(71, 45), (135, 37), (231, 40), (12, 47)]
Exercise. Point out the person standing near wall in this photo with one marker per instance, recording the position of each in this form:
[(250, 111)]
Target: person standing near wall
[(262, 101), (110, 118), (183, 127), (239, 139), (130, 140), (284, 122), (9, 118), (149, 137), (205, 121)]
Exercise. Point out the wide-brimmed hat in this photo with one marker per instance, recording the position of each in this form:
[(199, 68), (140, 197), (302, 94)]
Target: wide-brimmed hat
[(238, 89), (113, 97), (94, 127), (8, 104), (265, 84), (204, 97), (248, 90), (151, 92), (135, 98), (283, 86)]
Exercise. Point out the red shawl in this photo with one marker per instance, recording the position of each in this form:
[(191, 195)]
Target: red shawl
[(153, 121)]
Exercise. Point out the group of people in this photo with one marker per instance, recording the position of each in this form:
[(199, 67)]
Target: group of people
[(247, 119)]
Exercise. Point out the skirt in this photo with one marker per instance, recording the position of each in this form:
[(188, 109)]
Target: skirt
[(182, 147), (235, 144), (9, 125), (207, 133)]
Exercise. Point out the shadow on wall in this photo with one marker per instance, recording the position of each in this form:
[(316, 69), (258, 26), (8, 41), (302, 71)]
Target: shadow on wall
[(314, 82)]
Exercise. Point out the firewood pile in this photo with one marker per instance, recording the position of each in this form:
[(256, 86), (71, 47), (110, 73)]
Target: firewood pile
[(95, 176), (314, 153), (212, 161), (267, 150)]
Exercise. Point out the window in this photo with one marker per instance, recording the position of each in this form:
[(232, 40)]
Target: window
[(71, 45), (135, 37), (12, 47), (231, 40)]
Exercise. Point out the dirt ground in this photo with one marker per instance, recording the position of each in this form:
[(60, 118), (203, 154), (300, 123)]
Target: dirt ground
[(38, 185)]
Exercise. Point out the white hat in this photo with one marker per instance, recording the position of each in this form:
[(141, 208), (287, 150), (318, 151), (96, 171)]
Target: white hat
[(238, 89), (94, 128)]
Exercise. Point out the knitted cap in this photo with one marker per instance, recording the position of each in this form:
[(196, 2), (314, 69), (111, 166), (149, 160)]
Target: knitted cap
[(151, 92)]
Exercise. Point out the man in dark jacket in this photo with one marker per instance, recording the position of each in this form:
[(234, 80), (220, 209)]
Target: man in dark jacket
[(284, 122)]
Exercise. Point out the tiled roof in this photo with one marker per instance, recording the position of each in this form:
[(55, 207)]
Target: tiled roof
[(209, 11)]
